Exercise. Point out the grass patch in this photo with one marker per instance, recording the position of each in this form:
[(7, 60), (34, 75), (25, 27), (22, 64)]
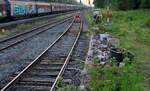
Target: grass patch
[(88, 17), (132, 30), (112, 78)]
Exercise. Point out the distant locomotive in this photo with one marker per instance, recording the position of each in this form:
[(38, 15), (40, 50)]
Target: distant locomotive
[(16, 9)]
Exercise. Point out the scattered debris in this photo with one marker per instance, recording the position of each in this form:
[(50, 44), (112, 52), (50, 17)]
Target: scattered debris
[(104, 47), (117, 54)]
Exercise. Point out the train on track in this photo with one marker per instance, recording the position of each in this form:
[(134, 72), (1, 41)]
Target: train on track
[(18, 9)]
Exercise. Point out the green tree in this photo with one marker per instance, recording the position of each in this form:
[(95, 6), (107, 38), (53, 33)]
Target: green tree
[(136, 4), (123, 4), (126, 4), (99, 3), (145, 4)]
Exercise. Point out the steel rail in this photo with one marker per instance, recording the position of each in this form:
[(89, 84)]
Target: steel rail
[(6, 24), (67, 60), (21, 40), (17, 35), (15, 79)]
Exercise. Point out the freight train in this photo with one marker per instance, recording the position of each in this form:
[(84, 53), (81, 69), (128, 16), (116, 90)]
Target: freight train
[(18, 9)]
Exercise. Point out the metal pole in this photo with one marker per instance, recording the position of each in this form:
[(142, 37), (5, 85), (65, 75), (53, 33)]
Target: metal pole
[(89, 2), (36, 7)]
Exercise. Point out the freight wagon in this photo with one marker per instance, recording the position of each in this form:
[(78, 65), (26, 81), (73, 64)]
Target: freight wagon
[(18, 9)]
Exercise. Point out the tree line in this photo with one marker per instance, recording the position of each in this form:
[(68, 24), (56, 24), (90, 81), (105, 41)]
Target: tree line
[(123, 4)]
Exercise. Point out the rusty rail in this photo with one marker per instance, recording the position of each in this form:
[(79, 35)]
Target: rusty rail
[(15, 79), (67, 59)]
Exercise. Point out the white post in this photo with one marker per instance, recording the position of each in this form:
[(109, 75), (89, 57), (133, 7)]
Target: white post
[(108, 20)]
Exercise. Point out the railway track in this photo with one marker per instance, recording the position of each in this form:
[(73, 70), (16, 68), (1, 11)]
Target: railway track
[(7, 24), (43, 73), (18, 38)]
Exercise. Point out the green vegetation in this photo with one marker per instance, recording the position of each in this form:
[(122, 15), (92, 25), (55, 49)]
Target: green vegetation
[(61, 86), (132, 30), (70, 88), (112, 78), (89, 18), (123, 4)]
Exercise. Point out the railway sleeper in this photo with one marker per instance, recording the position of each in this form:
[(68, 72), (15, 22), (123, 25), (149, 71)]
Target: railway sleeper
[(30, 88), (39, 82), (42, 72), (52, 62), (34, 83), (46, 73), (56, 58), (49, 65), (46, 68), (36, 86), (57, 55), (38, 79)]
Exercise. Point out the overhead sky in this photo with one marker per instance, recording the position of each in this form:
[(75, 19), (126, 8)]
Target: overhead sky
[(86, 2)]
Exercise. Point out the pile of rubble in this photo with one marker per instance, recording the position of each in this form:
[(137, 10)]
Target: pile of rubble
[(100, 46), (104, 47)]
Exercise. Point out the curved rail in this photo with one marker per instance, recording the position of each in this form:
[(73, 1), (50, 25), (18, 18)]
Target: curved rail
[(14, 80), (67, 59)]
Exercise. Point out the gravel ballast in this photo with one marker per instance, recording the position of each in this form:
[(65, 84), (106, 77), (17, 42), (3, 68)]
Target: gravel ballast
[(19, 56)]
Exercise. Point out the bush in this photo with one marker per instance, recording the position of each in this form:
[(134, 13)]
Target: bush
[(146, 23)]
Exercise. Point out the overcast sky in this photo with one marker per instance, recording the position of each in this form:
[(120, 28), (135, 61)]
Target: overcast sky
[(86, 2)]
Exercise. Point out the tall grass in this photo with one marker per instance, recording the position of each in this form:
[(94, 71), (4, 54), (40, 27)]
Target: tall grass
[(132, 29), (112, 78)]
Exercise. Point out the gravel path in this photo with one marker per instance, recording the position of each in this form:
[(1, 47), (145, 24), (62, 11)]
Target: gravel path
[(19, 56)]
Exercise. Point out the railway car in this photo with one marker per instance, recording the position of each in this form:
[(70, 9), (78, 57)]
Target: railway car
[(28, 8), (4, 10), (56, 7), (13, 9), (18, 9), (43, 8)]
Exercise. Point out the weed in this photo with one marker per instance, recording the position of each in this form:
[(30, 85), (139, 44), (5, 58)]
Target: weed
[(131, 28), (71, 88)]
